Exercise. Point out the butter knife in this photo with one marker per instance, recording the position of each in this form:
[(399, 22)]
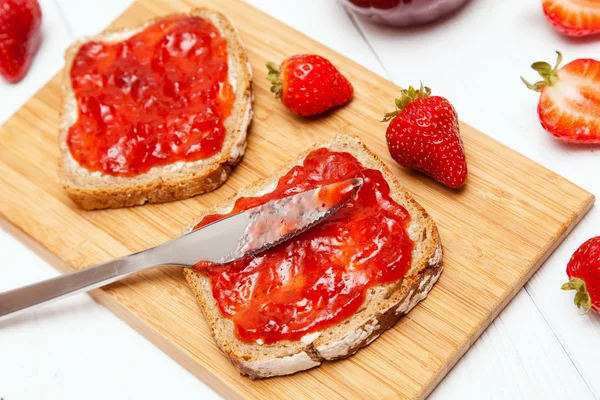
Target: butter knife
[(243, 234)]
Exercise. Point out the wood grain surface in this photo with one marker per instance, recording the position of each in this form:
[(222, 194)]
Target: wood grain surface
[(496, 231)]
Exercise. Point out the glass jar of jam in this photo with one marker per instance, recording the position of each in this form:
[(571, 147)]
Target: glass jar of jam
[(403, 12)]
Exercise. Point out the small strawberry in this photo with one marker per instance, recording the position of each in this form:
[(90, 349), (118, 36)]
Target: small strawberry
[(569, 106), (20, 22), (423, 134), (584, 274), (573, 17), (308, 84)]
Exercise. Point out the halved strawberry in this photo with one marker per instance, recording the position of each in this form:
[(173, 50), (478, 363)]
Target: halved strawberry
[(569, 106), (573, 17)]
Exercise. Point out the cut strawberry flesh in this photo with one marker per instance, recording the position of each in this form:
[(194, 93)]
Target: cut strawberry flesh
[(570, 109), (574, 17)]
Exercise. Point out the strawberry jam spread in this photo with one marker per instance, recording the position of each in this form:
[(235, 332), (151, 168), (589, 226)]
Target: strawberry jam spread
[(320, 277), (159, 97)]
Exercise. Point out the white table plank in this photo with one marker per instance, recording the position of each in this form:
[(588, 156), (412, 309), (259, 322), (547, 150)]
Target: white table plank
[(475, 59), (516, 357), (56, 374)]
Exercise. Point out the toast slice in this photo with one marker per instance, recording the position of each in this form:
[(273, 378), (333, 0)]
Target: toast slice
[(383, 306), (180, 180)]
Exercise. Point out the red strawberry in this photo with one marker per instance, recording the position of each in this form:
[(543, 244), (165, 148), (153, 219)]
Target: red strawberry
[(309, 84), (424, 135), (20, 22), (569, 106), (573, 17), (584, 274)]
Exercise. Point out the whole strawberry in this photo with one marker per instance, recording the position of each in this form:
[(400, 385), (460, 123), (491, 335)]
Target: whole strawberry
[(584, 274), (424, 135), (308, 84), (20, 22), (568, 106), (573, 17)]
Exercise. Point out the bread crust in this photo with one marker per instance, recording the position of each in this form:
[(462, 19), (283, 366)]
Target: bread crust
[(383, 307), (94, 190)]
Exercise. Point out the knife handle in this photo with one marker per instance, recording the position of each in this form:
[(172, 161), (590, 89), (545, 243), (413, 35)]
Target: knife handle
[(62, 286)]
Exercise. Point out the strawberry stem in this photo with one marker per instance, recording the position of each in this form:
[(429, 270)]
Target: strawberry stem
[(274, 76), (549, 74), (407, 96), (582, 297)]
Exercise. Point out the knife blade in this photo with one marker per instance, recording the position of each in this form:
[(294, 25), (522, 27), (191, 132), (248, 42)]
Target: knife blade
[(243, 234), (257, 229)]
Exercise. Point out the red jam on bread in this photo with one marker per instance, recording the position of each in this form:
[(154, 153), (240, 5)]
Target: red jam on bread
[(321, 277), (154, 99)]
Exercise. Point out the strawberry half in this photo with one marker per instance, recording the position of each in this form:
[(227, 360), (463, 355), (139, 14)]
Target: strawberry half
[(309, 84), (569, 106), (573, 17), (20, 22), (424, 135), (584, 274)]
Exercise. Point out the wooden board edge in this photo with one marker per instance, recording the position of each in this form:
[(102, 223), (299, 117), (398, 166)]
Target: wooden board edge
[(126, 315), (544, 254)]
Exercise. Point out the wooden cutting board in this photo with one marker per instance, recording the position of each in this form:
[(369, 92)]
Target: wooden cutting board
[(496, 231)]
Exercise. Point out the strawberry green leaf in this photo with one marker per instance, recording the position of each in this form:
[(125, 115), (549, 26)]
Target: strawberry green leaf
[(548, 73), (542, 68), (274, 76), (535, 86), (559, 60), (582, 298), (407, 96)]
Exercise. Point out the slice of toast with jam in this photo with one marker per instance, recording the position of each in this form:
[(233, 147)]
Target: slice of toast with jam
[(331, 290), (155, 113)]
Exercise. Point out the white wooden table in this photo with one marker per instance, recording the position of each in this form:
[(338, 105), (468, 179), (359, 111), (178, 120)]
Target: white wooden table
[(538, 348)]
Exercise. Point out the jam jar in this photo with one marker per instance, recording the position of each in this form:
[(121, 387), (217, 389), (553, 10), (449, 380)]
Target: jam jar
[(403, 12)]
